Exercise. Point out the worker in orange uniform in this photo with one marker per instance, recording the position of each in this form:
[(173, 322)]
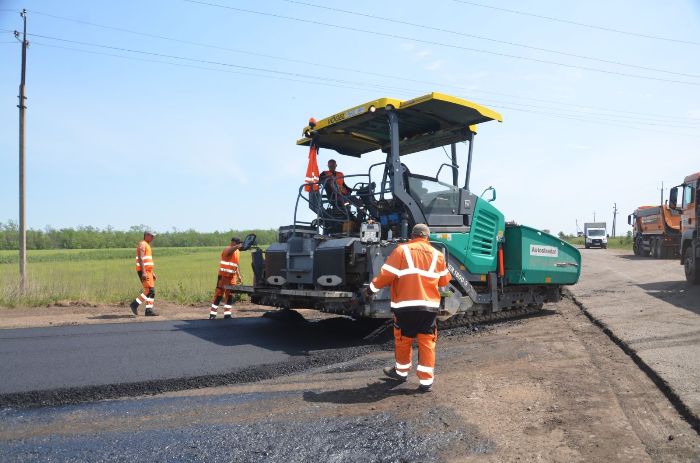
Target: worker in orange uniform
[(338, 194), (415, 271), (335, 175), (228, 275), (144, 268)]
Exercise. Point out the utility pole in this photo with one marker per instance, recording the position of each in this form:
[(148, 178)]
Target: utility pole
[(22, 187), (594, 216), (614, 218)]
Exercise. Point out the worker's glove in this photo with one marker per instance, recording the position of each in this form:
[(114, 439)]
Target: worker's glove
[(154, 277), (142, 276), (368, 293)]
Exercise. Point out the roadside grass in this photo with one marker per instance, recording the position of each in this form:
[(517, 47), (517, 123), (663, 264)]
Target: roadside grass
[(619, 242), (108, 276)]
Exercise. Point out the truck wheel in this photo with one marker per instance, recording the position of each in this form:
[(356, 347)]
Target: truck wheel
[(655, 248), (588, 247), (637, 247), (691, 268)]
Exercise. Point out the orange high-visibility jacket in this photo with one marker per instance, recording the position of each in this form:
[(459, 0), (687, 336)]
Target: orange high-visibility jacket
[(339, 179), (146, 255), (414, 270), (228, 266)]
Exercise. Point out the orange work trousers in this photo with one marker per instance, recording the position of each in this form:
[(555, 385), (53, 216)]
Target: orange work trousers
[(221, 283), (149, 282), (417, 326)]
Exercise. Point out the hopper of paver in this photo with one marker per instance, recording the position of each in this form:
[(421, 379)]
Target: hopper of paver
[(535, 257)]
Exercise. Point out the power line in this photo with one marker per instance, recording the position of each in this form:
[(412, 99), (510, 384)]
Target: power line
[(317, 80), (575, 23), (604, 117), (635, 114), (258, 69), (196, 60), (600, 119), (442, 44), (613, 124), (489, 39)]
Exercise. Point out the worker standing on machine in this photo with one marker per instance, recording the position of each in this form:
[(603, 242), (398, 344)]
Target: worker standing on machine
[(144, 268), (229, 274), (415, 271)]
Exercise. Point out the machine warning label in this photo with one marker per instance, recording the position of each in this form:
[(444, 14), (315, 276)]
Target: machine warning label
[(544, 251)]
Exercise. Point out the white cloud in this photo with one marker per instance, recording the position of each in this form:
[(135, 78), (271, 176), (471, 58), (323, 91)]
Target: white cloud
[(434, 66)]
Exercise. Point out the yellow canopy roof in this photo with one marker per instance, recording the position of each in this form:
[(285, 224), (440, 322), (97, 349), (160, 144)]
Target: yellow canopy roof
[(426, 122)]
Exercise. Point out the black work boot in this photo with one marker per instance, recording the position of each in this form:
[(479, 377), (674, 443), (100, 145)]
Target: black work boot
[(393, 374), (134, 307), (425, 388), (150, 313)]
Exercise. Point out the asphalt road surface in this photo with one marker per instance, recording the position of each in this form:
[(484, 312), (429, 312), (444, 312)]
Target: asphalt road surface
[(150, 355), (551, 387), (647, 305)]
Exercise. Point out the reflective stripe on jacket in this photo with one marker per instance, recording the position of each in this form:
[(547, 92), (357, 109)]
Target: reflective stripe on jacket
[(415, 271), (228, 265), (146, 255)]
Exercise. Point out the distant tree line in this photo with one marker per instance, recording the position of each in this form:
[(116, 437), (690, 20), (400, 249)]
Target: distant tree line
[(86, 237)]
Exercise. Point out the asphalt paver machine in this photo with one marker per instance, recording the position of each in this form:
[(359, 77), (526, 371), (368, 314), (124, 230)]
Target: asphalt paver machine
[(498, 269)]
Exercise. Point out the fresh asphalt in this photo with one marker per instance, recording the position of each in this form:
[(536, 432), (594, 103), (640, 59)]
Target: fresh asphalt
[(47, 366)]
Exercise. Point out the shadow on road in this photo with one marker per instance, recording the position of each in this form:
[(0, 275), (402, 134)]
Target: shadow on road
[(633, 257), (373, 392), (678, 293), (109, 317)]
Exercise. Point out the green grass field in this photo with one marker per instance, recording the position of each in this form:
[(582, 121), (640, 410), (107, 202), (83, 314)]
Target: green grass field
[(185, 275)]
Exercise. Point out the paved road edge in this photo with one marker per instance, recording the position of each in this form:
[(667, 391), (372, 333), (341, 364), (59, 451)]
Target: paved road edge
[(668, 391)]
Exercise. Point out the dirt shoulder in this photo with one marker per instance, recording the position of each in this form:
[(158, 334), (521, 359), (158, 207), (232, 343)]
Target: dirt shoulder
[(71, 313)]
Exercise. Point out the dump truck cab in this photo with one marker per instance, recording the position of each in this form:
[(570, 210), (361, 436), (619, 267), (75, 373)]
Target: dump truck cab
[(339, 239), (689, 208)]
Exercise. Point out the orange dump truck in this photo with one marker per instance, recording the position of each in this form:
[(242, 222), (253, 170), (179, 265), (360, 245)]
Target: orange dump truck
[(689, 208), (656, 231)]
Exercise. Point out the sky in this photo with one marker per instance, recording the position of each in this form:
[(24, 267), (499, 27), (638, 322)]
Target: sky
[(184, 114)]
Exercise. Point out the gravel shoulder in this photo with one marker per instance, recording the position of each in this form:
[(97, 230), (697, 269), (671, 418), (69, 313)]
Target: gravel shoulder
[(647, 305)]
